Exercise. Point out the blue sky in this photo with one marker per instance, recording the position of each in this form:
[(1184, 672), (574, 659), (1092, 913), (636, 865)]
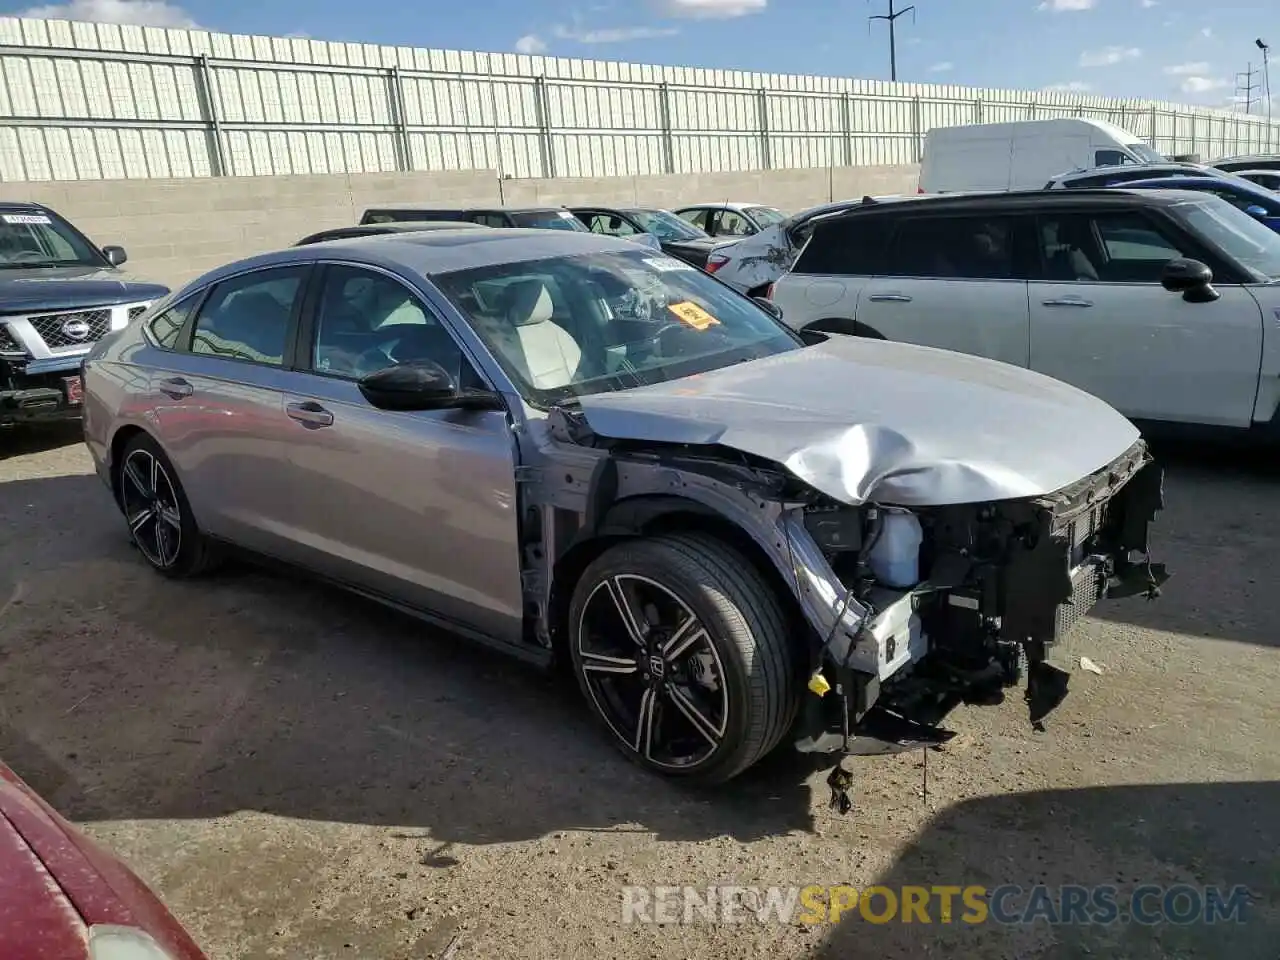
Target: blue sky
[(1186, 50)]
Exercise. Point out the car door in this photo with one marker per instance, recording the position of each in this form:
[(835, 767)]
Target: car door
[(219, 410), (1101, 320), (957, 282), (419, 506)]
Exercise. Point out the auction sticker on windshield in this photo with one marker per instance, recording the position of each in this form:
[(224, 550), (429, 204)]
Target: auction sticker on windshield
[(667, 264), (26, 218), (693, 315)]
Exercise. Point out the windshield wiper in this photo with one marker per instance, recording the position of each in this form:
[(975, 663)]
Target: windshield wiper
[(39, 264)]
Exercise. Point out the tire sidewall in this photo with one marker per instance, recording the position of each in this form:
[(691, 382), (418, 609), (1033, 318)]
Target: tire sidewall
[(648, 558)]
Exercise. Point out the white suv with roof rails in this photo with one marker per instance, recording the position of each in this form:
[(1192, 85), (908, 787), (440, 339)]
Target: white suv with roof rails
[(1164, 303)]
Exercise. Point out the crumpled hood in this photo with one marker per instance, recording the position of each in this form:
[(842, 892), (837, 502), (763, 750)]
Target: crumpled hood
[(66, 288), (896, 423)]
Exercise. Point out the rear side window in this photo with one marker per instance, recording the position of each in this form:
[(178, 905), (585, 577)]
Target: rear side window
[(167, 327), (955, 248), (846, 247), (248, 317)]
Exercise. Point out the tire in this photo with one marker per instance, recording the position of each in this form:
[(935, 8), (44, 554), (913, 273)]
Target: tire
[(169, 511), (738, 643)]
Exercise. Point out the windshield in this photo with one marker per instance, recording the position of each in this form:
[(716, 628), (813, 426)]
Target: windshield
[(36, 239), (766, 216), (667, 227), (566, 327), (550, 220), (1239, 235), (1145, 153)]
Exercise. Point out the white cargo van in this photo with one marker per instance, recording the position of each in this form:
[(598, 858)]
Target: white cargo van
[(1023, 155)]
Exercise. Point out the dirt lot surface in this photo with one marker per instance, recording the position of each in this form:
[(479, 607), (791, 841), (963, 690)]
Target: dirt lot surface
[(302, 774)]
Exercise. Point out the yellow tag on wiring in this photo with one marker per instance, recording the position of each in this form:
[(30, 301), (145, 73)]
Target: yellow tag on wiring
[(693, 315), (818, 684)]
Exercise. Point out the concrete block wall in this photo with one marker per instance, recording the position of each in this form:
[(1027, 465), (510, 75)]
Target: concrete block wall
[(174, 230)]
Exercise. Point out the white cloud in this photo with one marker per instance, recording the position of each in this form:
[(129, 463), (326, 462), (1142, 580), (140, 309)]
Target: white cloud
[(531, 43), (1070, 86), (1148, 4), (613, 34), (709, 9), (1108, 56), (1206, 31), (942, 67), (1202, 84), (1187, 69), (1067, 6), (143, 13)]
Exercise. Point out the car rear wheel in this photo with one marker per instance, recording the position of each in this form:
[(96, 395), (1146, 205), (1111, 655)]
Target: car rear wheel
[(156, 510), (681, 649)]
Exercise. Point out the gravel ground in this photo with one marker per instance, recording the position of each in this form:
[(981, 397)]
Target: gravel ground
[(303, 774)]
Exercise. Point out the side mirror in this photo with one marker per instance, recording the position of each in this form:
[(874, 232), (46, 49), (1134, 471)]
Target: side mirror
[(422, 385), (115, 255), (1191, 278), (1254, 210), (769, 307)]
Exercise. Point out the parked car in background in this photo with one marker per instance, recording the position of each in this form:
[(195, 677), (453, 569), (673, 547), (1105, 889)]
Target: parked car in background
[(749, 265), (1258, 161), (66, 898), (730, 219), (1263, 178), (1258, 202), (564, 446), (544, 218), (675, 236), (1161, 302), (1111, 176), (59, 294), (381, 229), (1023, 154)]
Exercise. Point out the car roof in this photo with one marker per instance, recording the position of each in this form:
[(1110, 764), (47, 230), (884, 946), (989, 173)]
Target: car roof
[(433, 252), (1101, 171), (1023, 200), (408, 226), (1247, 156), (734, 205), (22, 205), (1269, 171), (466, 208)]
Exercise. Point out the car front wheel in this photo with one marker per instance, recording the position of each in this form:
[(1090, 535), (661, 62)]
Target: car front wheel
[(155, 507), (682, 650)]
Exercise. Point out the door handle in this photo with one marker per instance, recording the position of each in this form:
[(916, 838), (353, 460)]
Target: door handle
[(889, 298), (176, 387), (1068, 302), (309, 414)]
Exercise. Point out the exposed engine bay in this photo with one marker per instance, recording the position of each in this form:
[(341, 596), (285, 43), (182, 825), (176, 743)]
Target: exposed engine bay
[(965, 601)]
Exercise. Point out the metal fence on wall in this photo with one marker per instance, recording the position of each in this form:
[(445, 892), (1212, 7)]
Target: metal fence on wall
[(84, 101)]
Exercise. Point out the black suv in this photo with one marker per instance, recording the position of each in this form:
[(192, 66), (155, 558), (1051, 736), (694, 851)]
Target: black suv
[(545, 218), (59, 294)]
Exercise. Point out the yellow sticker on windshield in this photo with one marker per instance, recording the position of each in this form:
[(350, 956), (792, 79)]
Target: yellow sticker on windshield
[(693, 315)]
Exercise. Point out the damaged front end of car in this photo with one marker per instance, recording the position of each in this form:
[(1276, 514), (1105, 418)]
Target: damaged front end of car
[(997, 586)]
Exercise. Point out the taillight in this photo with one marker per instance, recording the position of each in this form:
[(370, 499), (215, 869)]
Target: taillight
[(716, 261)]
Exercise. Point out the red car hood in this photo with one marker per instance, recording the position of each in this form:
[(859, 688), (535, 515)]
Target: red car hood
[(55, 884)]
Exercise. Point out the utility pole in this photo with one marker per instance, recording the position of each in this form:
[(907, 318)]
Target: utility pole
[(1266, 73), (891, 18), (1245, 88)]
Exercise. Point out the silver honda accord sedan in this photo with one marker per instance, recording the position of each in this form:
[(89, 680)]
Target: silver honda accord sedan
[(596, 455)]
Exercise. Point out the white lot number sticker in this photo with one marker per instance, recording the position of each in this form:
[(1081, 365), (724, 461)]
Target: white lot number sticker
[(26, 218), (667, 264)]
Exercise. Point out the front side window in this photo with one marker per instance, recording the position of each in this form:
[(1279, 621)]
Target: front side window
[(667, 227), (572, 326), (1105, 247), (700, 218), (367, 321), (248, 317), (733, 224), (611, 225), (972, 248), (36, 239)]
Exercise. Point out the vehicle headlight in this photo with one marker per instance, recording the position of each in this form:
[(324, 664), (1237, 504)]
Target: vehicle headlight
[(109, 942)]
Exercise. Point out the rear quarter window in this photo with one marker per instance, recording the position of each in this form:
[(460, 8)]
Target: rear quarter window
[(851, 247)]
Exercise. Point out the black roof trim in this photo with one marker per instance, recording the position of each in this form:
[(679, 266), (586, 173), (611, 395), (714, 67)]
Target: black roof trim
[(1008, 200)]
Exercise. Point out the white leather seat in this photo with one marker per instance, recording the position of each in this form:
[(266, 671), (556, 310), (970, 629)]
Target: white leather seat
[(550, 356)]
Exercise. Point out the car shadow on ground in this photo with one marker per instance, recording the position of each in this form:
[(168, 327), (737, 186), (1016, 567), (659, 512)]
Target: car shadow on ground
[(26, 439), (124, 695), (1218, 535), (1198, 834)]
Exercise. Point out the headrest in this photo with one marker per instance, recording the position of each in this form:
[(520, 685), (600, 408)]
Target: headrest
[(528, 303)]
